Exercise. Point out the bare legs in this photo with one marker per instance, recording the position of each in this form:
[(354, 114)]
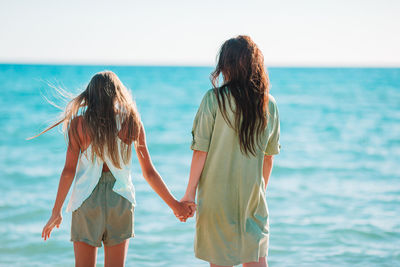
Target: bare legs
[(262, 262), (85, 255), (214, 265), (114, 256)]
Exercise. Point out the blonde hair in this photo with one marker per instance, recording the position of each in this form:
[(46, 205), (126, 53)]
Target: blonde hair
[(104, 98)]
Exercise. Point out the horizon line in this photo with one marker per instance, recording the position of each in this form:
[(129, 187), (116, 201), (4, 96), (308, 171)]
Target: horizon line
[(126, 64)]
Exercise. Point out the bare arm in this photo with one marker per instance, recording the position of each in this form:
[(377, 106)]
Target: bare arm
[(154, 179), (66, 179), (67, 176), (196, 168), (267, 168)]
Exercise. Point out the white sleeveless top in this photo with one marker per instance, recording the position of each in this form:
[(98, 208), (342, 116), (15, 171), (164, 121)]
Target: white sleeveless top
[(88, 174)]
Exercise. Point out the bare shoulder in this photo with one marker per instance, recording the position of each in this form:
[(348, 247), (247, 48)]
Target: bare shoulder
[(77, 125), (76, 132), (124, 135)]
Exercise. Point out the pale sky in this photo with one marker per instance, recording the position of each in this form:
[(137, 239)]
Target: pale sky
[(172, 32)]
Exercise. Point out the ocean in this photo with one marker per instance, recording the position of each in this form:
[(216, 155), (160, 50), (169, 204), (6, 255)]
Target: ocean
[(333, 196)]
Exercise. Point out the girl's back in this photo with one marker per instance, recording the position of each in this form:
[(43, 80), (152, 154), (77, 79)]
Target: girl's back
[(101, 124), (231, 189), (90, 165), (235, 133)]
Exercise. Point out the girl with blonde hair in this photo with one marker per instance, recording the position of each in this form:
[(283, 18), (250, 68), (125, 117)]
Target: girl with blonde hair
[(101, 125)]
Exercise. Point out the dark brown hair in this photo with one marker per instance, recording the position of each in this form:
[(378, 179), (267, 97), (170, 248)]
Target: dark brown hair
[(105, 97), (241, 64)]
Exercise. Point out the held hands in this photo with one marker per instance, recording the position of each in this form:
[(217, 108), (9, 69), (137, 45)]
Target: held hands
[(190, 203), (184, 210), (54, 221)]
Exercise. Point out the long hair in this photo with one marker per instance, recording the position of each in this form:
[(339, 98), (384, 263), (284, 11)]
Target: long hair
[(241, 64), (103, 105)]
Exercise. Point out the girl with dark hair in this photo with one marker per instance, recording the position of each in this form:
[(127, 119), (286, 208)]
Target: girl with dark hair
[(235, 135)]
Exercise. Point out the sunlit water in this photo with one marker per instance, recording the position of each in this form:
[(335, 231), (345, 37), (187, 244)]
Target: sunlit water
[(334, 194)]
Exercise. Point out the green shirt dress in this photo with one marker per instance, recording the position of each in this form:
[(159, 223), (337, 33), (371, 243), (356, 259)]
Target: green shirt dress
[(232, 215)]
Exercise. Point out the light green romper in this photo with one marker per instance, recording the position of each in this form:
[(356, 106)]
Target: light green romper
[(232, 214)]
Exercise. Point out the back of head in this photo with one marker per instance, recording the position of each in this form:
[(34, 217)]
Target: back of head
[(241, 64), (104, 98), (103, 105)]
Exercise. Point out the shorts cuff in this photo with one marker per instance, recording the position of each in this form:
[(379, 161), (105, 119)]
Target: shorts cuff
[(87, 241), (115, 241)]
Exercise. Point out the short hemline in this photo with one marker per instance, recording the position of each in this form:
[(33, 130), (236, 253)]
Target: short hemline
[(204, 258), (122, 239), (93, 244)]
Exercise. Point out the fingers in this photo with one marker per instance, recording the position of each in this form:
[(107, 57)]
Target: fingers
[(187, 210), (47, 230), (191, 204), (181, 218), (183, 213), (43, 232), (192, 208), (54, 221), (192, 213)]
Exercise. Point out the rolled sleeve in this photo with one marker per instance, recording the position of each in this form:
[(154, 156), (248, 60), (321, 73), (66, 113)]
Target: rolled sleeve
[(200, 144), (273, 145), (203, 124)]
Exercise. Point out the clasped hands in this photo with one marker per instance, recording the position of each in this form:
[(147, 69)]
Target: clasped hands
[(186, 209)]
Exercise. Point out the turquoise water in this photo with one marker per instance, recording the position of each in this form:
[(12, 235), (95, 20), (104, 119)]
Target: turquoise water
[(334, 194)]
